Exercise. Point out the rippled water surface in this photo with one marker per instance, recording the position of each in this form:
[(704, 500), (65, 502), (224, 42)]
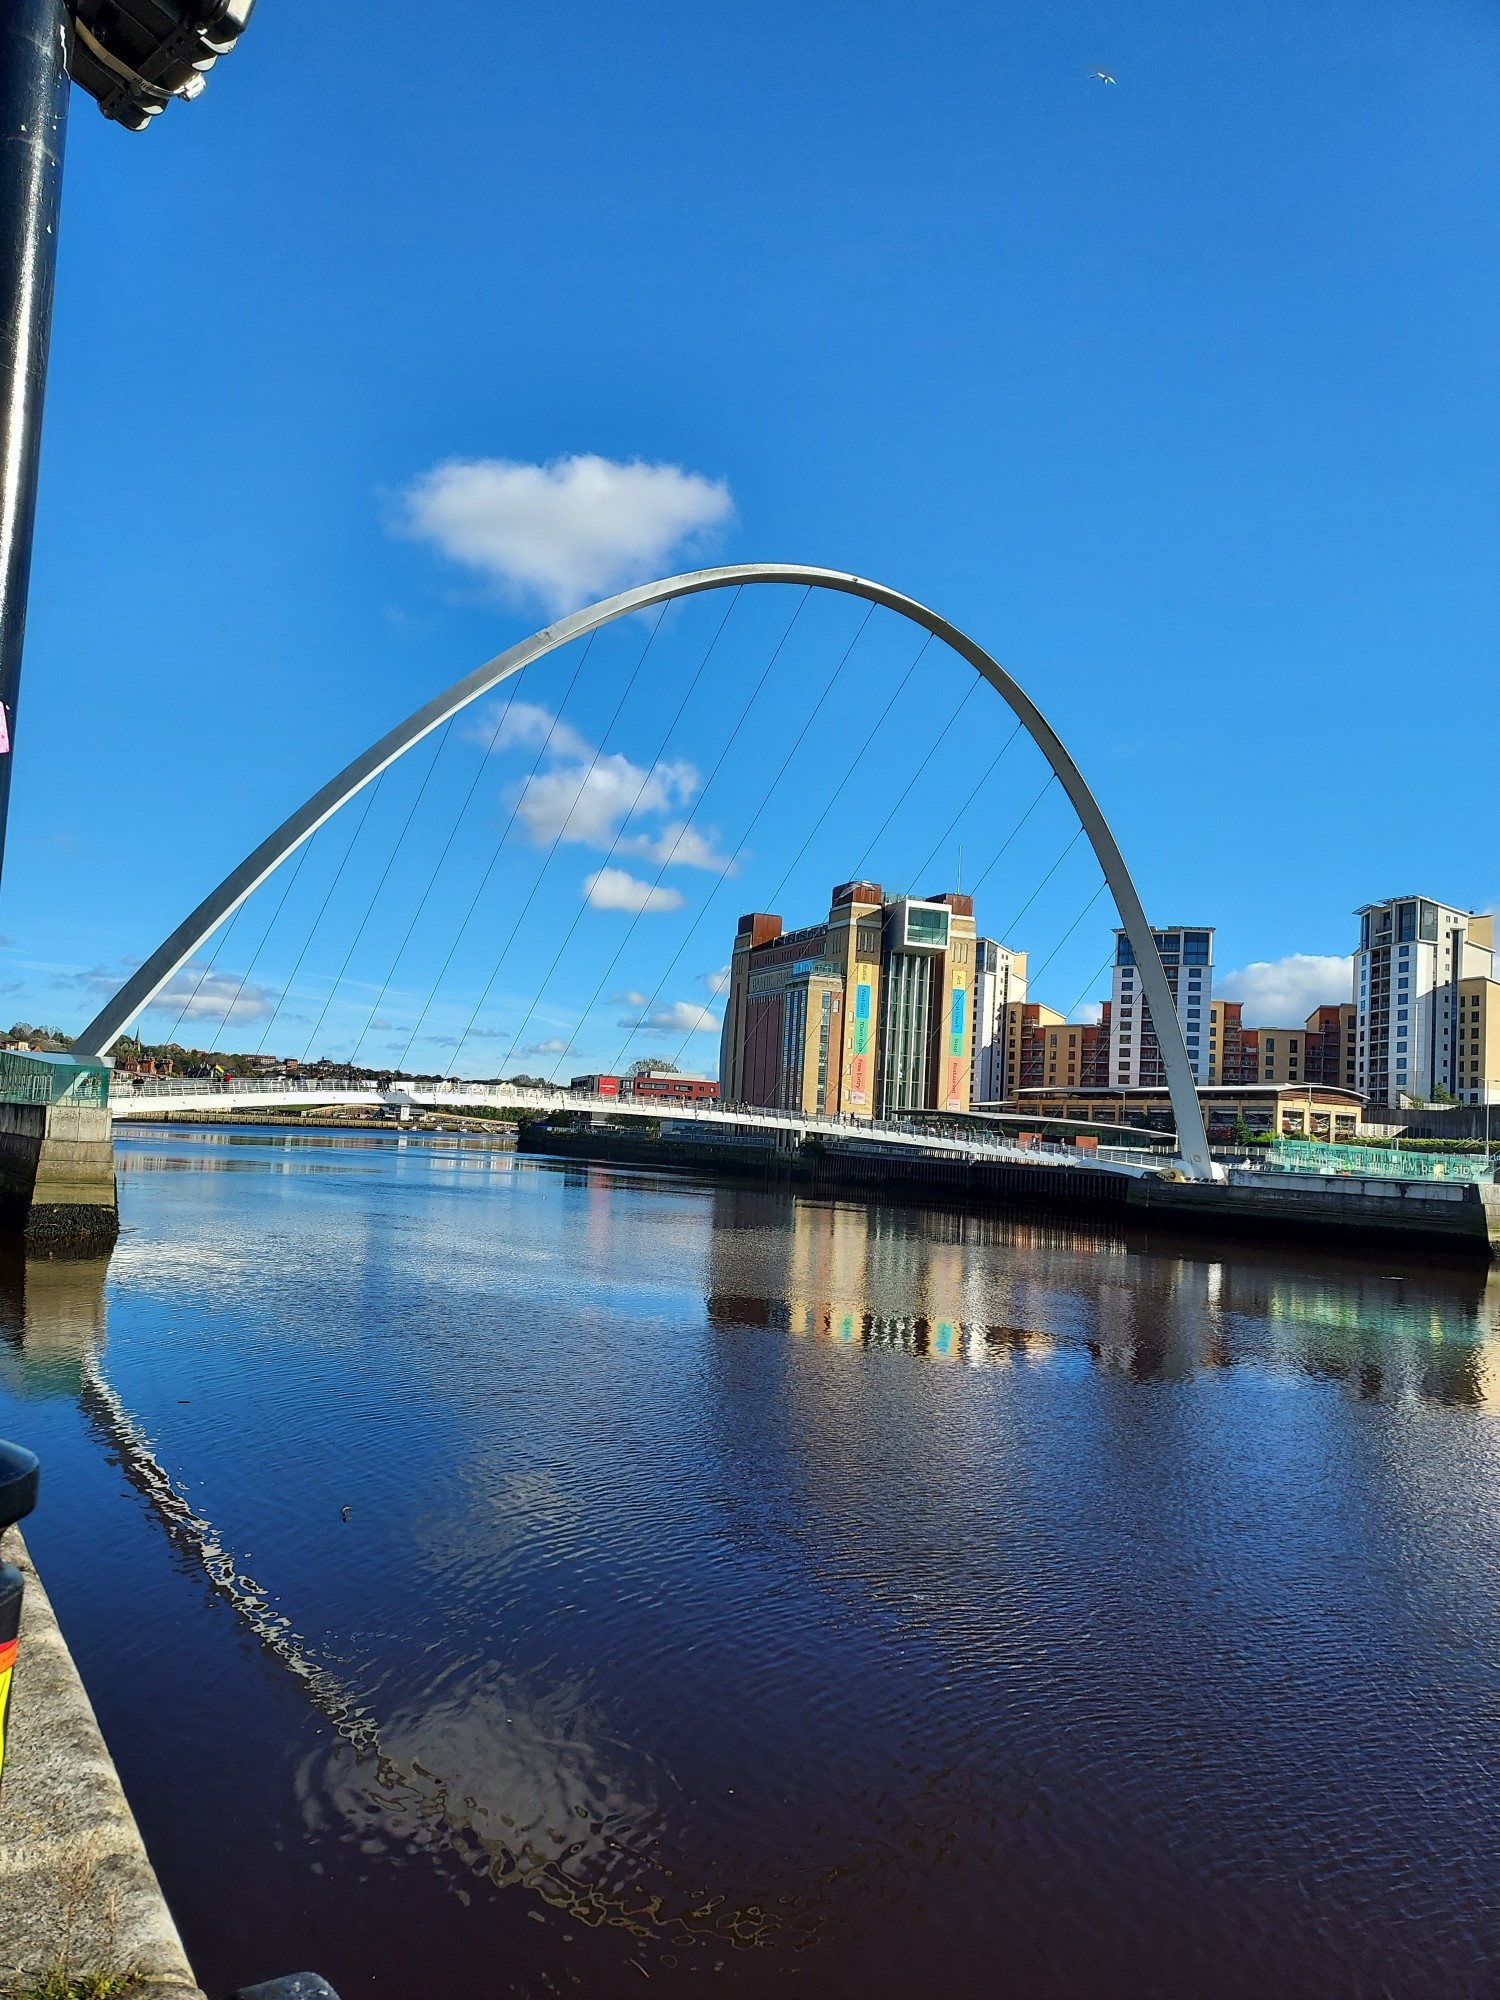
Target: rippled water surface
[(500, 1577)]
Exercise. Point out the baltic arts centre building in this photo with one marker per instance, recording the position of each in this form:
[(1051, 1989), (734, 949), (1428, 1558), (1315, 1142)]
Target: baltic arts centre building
[(871, 1013)]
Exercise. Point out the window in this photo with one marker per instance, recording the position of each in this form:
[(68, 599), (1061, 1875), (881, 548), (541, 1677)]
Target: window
[(1406, 921), (926, 926)]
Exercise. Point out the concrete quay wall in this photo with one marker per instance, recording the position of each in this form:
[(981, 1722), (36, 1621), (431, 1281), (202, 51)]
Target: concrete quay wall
[(57, 1179), (948, 1181), (78, 1895), (1459, 1218)]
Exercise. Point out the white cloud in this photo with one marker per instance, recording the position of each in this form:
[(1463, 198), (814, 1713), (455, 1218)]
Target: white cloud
[(618, 889), (552, 1047), (528, 726), (628, 999), (1282, 992), (586, 802), (563, 532), (197, 995), (193, 991), (678, 1017), (679, 845), (717, 982), (586, 798)]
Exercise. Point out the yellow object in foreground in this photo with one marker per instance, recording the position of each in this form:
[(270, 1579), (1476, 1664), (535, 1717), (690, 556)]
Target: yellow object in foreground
[(7, 1668)]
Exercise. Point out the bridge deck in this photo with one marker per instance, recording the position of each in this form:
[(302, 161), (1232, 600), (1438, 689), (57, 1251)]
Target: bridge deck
[(130, 1098)]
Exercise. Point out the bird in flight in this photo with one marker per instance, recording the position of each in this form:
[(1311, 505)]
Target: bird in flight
[(1101, 76)]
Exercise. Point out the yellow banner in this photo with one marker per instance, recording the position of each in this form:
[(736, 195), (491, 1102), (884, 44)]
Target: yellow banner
[(7, 1667)]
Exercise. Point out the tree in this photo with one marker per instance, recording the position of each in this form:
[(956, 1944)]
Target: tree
[(659, 1065), (51, 1040)]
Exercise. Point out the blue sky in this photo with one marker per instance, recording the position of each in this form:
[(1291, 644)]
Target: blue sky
[(1179, 394)]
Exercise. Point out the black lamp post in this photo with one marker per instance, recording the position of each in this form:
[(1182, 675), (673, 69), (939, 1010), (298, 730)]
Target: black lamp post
[(133, 57)]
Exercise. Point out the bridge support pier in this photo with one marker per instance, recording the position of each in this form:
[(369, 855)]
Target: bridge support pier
[(57, 1179)]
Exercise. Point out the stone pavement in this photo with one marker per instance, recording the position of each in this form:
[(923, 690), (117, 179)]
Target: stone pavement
[(77, 1891)]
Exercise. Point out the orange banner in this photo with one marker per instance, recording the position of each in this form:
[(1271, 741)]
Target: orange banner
[(7, 1664)]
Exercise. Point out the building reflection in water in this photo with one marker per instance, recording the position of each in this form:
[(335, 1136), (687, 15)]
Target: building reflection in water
[(52, 1323), (984, 1289)]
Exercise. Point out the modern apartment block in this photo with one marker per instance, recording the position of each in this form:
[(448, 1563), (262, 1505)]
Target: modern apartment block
[(1423, 979), (1044, 1050), (999, 984), (1332, 1035), (1134, 1051), (1322, 1050), (1476, 1042), (868, 1012)]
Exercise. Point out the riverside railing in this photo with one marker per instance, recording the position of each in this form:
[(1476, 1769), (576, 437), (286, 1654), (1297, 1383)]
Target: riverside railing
[(31, 1077), (1301, 1156), (448, 1094)]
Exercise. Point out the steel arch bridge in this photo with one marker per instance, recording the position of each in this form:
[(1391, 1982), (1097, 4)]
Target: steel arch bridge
[(173, 953)]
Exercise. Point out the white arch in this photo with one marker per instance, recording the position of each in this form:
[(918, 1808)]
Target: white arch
[(169, 957)]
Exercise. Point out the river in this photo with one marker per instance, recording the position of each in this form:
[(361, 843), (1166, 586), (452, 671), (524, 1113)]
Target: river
[(496, 1576)]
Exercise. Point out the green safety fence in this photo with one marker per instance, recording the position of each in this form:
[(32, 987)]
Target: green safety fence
[(1302, 1156), (31, 1078)]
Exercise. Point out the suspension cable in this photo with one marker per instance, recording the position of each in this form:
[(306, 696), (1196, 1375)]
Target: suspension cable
[(219, 943), (942, 840), (874, 842), (560, 835), (504, 835), (652, 887), (1064, 938), (1011, 927), (370, 796), (442, 744), (625, 820), (421, 902), (817, 824), (1051, 781), (1090, 981), (287, 888)]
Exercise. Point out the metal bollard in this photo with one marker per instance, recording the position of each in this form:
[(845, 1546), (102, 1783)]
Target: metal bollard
[(19, 1474)]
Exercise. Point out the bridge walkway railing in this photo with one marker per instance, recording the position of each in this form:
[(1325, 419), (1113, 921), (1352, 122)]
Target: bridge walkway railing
[(126, 1094)]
